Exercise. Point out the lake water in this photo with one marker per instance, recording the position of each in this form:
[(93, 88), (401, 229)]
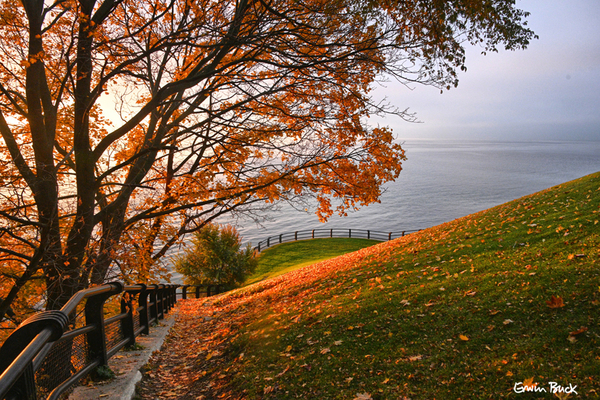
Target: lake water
[(442, 181), (445, 180)]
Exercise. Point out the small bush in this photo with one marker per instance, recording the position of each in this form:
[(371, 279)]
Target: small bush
[(217, 258)]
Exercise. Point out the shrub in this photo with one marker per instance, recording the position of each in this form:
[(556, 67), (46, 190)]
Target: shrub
[(217, 258)]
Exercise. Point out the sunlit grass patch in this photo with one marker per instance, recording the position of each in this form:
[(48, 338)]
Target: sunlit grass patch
[(287, 257)]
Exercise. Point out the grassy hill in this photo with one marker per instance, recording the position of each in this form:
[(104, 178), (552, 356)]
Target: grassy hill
[(290, 256), (469, 309)]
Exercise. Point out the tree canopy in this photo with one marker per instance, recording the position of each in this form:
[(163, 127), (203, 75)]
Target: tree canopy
[(221, 105)]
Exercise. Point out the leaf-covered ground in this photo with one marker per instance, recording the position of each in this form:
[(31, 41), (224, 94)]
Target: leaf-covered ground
[(477, 308)]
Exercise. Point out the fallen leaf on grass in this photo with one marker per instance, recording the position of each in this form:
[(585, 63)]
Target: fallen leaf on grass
[(284, 371), (325, 350), (463, 337), (363, 396), (555, 302), (578, 331), (562, 395), (572, 335), (507, 321), (528, 384)]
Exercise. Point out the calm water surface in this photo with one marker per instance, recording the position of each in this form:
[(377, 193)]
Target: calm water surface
[(445, 180)]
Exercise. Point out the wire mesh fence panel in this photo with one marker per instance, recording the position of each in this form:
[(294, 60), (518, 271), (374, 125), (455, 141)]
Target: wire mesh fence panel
[(136, 320), (114, 334), (65, 359)]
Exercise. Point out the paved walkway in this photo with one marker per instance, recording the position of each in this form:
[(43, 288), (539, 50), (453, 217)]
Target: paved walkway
[(126, 365)]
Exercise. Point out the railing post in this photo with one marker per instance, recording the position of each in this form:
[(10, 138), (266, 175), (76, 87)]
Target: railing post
[(390, 236), (143, 310), (197, 291), (127, 322), (207, 290), (94, 315), (313, 233), (167, 299), (258, 247), (160, 300), (331, 233), (403, 233), (296, 235), (268, 241), (184, 292), (349, 233), (153, 307), (280, 237), (172, 299), (368, 234)]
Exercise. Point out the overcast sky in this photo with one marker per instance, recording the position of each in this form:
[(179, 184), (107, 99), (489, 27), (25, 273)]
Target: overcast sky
[(549, 91)]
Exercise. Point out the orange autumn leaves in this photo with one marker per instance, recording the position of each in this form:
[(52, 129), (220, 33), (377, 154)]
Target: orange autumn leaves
[(555, 302)]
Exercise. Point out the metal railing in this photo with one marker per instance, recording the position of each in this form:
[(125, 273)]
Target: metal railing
[(50, 352), (330, 233)]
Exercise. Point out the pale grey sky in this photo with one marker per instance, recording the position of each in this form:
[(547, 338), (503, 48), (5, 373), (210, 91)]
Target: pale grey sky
[(549, 91)]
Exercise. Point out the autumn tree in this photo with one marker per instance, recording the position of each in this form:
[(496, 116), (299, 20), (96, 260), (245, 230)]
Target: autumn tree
[(214, 106)]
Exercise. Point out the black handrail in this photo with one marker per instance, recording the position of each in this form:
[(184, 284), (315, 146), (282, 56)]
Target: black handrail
[(46, 355), (330, 233)]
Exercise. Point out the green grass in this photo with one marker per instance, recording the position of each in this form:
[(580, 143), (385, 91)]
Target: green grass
[(457, 311), (290, 256)]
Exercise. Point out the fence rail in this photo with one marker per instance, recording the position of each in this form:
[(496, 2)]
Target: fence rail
[(49, 353), (330, 233)]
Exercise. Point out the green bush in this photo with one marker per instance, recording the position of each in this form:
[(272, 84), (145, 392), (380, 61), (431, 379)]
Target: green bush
[(217, 258)]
